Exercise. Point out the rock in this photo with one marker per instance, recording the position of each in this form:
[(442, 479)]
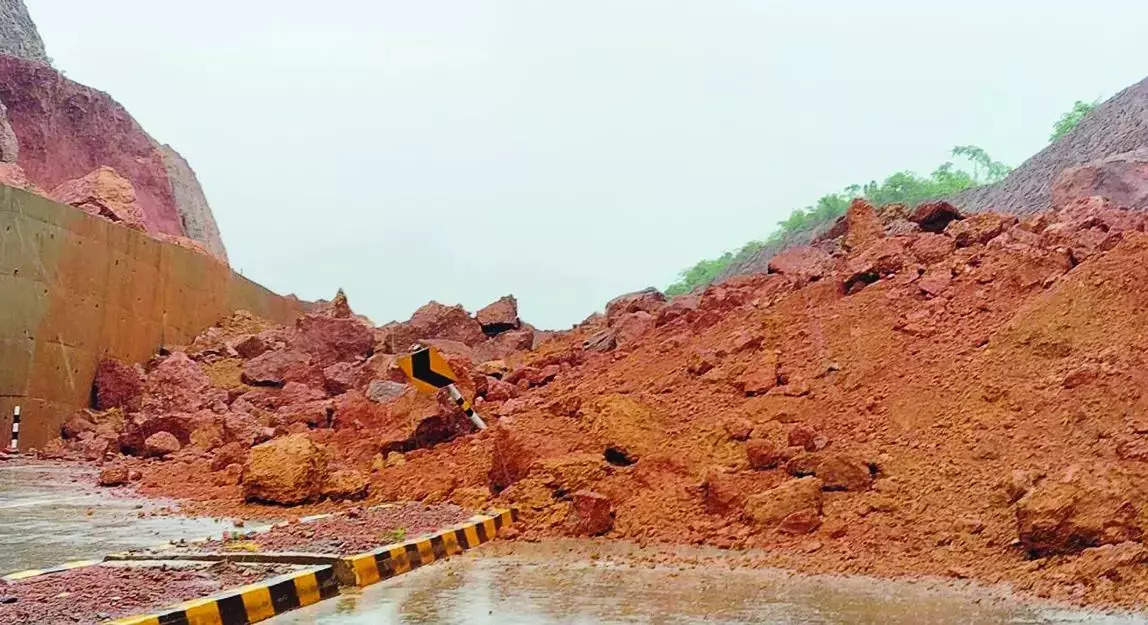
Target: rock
[(275, 367), (346, 484), (333, 339), (384, 391), (339, 306), (801, 463), (882, 259), (1018, 483), (628, 327), (648, 300), (720, 493), (701, 361), (229, 454), (935, 216), (139, 427), (979, 228), (339, 377), (13, 175), (929, 247), (1109, 562), (113, 475), (772, 507), (593, 513), (179, 384), (54, 449), (763, 454), (118, 385), (601, 341), (497, 390), (801, 522), (803, 262), (76, 425), (760, 377), (288, 470), (105, 193), (431, 321), (161, 444), (680, 306), (298, 393), (499, 316), (250, 346), (1123, 178), (504, 345), (738, 429), (936, 278), (242, 428), (807, 438), (1088, 510), (97, 447), (862, 228), (839, 472)]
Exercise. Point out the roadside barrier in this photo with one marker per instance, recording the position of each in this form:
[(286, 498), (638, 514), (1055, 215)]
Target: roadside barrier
[(248, 604), (368, 568), (67, 566), (14, 444)]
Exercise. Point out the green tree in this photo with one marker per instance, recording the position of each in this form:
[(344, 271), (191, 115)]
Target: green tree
[(1069, 120)]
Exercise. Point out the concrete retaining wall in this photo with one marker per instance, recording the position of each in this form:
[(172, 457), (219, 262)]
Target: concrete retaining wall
[(74, 288)]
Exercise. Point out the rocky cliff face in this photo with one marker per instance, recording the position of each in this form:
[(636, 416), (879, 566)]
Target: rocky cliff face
[(54, 130), (18, 35)]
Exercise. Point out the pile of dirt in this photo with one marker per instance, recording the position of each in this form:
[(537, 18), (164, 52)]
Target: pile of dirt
[(920, 392)]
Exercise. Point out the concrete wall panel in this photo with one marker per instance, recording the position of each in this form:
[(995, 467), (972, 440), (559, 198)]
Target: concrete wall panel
[(74, 288)]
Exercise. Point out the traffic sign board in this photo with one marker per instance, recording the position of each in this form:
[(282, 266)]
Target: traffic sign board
[(427, 370)]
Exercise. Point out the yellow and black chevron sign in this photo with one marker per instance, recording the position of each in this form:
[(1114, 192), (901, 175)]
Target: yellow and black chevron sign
[(427, 369)]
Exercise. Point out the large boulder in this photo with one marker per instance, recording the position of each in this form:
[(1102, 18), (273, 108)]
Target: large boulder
[(161, 444), (105, 193), (431, 321), (795, 504), (630, 326), (1088, 509), (841, 472), (274, 368), (179, 384), (862, 227), (803, 262), (499, 316), (593, 514), (289, 470), (648, 300), (118, 385), (329, 339), (1123, 178)]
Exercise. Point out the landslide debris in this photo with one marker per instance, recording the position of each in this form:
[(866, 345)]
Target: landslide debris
[(950, 394)]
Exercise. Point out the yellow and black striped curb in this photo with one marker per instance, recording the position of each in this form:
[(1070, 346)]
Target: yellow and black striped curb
[(368, 568), (248, 604), (67, 566)]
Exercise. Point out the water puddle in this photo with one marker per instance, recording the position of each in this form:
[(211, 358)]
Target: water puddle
[(50, 514), (539, 586)]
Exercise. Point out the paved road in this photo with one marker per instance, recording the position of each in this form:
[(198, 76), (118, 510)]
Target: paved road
[(50, 514), (528, 589)]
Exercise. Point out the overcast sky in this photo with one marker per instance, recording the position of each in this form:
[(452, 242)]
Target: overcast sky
[(565, 152)]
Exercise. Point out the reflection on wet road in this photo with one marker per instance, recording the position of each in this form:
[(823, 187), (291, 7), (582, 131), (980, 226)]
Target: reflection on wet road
[(50, 514), (548, 588)]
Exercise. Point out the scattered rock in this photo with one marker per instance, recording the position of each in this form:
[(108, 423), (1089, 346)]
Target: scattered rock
[(839, 472), (862, 228), (648, 300), (384, 391), (629, 327), (803, 262), (118, 385), (979, 228), (161, 444), (1090, 510), (276, 367), (113, 475), (763, 454), (104, 193), (1123, 178), (935, 216), (601, 341)]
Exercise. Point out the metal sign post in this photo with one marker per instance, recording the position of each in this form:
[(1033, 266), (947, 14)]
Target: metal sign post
[(429, 371)]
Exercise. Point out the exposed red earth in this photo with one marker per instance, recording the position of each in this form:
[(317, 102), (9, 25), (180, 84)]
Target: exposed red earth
[(97, 593), (924, 393)]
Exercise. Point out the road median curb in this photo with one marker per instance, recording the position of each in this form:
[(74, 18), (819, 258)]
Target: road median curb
[(392, 560), (247, 604)]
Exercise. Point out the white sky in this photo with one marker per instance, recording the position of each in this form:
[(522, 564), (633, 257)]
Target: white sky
[(565, 152)]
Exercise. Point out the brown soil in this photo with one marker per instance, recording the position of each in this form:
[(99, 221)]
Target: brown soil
[(94, 594), (357, 531)]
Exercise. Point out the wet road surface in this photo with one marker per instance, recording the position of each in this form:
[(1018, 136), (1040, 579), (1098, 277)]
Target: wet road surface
[(530, 586), (50, 514)]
